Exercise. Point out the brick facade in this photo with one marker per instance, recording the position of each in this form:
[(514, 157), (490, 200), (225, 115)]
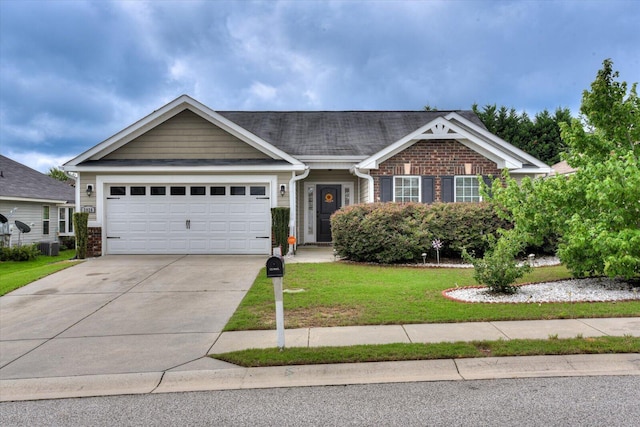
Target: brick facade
[(94, 242), (434, 158)]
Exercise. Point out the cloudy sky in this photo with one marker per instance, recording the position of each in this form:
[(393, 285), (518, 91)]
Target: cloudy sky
[(73, 73)]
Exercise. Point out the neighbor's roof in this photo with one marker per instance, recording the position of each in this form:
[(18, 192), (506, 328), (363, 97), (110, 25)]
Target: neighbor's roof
[(335, 133), (18, 181)]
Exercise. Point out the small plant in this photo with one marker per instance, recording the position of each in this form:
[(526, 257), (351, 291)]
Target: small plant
[(499, 269), (280, 227)]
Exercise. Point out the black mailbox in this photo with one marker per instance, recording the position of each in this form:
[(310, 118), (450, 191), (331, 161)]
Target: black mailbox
[(275, 267)]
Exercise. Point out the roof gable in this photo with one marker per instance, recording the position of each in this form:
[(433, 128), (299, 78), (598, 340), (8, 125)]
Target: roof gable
[(165, 113), (468, 133), (18, 181)]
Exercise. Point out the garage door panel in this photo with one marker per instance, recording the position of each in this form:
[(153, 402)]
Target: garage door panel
[(183, 224)]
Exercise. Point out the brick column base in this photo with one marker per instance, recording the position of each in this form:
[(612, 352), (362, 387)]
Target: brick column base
[(94, 242)]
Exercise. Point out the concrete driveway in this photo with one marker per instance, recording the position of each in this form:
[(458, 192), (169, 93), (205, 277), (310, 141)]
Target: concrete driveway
[(122, 314)]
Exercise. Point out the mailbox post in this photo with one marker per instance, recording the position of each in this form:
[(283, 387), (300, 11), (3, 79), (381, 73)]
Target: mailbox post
[(275, 270)]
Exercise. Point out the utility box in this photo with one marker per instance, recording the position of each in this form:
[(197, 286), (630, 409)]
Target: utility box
[(49, 248), (275, 266)]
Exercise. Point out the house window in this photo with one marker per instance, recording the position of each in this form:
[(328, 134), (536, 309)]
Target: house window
[(45, 219), (406, 189), (467, 189), (65, 223)]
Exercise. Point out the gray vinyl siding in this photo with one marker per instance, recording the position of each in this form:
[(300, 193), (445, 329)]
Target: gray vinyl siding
[(31, 214)]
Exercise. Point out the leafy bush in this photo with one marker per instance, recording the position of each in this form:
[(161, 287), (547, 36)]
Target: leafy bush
[(80, 225), (19, 253), (394, 233), (280, 227), (67, 242), (499, 269)]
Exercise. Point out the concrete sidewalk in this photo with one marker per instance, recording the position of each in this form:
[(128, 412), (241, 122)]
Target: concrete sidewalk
[(429, 333)]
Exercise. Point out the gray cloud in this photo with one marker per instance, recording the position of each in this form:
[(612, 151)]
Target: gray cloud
[(75, 72)]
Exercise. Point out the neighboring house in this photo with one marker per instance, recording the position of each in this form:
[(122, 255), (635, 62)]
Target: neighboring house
[(188, 179), (562, 168), (43, 203)]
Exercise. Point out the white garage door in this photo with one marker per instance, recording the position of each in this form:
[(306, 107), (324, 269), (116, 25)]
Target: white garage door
[(188, 219)]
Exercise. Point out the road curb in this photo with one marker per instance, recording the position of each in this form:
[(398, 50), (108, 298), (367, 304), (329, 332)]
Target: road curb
[(321, 375)]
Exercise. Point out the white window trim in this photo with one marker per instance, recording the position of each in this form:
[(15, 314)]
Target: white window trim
[(455, 188), (393, 184), (68, 220)]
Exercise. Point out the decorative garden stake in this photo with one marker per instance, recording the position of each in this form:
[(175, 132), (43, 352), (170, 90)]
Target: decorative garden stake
[(424, 258), (437, 245)]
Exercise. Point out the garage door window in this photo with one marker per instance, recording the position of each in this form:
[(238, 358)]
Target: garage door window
[(218, 191), (198, 191), (138, 191), (238, 191), (178, 191), (257, 191), (158, 191), (118, 191)]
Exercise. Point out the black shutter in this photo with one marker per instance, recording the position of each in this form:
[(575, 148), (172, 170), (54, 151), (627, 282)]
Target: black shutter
[(428, 186), (447, 188), (488, 180), (386, 188)]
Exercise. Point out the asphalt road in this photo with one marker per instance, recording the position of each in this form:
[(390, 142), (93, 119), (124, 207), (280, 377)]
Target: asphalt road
[(583, 401)]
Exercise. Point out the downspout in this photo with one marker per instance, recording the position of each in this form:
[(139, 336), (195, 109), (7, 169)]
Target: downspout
[(354, 170), (292, 200)]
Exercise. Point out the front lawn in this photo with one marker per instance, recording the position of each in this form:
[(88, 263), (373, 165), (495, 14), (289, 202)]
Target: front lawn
[(395, 352), (342, 294), (15, 274)]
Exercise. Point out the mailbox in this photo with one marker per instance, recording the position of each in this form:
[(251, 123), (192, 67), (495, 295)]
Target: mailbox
[(275, 267)]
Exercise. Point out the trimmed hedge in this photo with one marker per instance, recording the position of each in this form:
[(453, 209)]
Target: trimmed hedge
[(394, 233)]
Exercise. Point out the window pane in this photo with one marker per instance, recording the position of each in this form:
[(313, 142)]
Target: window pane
[(407, 189), (218, 191), (158, 191), (138, 191), (198, 191), (467, 189), (118, 191), (257, 191), (238, 191), (178, 191)]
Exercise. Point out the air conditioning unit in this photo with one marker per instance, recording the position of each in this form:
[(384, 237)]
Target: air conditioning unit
[(49, 248)]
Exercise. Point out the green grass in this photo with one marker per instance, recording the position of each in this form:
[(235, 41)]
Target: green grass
[(15, 274), (395, 352), (341, 294)]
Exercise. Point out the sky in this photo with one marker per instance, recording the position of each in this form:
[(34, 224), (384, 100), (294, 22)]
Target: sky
[(73, 73)]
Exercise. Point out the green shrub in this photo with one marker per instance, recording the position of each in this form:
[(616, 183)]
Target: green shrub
[(280, 227), (394, 233), (499, 269), (19, 253), (67, 242), (80, 225)]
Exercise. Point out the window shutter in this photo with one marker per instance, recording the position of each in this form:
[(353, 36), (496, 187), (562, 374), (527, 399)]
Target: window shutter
[(447, 188), (488, 180), (428, 189), (386, 188)]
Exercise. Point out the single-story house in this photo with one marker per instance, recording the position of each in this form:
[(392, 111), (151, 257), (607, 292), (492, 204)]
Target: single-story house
[(187, 179), (44, 204)]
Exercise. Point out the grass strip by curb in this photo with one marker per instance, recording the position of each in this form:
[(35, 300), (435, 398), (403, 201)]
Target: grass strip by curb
[(396, 352)]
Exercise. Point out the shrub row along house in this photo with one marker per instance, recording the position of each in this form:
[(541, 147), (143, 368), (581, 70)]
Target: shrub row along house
[(187, 179), (40, 202)]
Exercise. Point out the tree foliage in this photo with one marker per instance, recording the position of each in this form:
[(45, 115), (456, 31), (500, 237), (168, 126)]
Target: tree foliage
[(58, 174), (595, 212), (539, 137)]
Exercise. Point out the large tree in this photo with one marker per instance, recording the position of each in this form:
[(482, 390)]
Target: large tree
[(596, 211), (539, 137)]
